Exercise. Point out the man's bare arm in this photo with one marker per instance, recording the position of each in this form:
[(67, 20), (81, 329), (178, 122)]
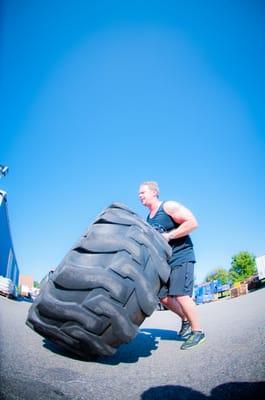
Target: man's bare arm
[(182, 216)]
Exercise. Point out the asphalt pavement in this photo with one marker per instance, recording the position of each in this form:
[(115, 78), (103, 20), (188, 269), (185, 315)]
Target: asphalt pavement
[(229, 365)]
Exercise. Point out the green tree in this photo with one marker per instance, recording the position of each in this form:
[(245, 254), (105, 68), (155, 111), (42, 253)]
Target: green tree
[(243, 266), (36, 284), (219, 273)]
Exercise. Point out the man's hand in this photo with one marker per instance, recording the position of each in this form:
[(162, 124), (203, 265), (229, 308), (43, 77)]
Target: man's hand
[(166, 236)]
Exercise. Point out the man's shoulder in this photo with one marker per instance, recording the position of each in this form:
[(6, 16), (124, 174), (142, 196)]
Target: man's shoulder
[(170, 205)]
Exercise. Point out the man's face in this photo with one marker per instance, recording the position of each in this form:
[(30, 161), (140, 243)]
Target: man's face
[(146, 195)]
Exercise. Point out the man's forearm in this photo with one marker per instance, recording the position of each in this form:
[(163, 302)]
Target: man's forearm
[(183, 230)]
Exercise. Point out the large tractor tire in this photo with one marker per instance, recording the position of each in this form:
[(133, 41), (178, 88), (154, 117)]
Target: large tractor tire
[(105, 286)]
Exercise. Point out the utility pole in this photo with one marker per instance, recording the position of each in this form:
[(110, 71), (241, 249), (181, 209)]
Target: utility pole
[(3, 170)]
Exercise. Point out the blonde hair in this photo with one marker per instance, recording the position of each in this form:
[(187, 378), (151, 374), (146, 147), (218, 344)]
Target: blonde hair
[(152, 185)]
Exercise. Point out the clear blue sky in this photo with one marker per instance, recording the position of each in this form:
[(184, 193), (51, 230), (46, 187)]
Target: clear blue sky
[(98, 96)]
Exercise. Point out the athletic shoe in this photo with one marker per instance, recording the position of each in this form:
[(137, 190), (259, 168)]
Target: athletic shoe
[(195, 338), (185, 330)]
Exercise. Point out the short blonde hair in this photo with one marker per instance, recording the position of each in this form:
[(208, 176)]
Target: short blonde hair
[(152, 185)]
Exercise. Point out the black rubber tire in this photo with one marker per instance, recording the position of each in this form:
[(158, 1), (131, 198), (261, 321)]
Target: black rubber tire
[(105, 286)]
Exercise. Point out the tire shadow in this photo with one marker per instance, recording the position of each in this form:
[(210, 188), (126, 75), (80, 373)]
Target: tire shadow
[(142, 345), (226, 391), (162, 334), (61, 351), (145, 342)]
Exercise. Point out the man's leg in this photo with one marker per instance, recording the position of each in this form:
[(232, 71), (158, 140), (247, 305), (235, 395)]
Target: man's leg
[(190, 310), (171, 302), (181, 281), (196, 336)]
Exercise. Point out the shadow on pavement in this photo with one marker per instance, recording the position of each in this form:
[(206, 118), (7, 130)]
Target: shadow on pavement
[(163, 334), (141, 346), (226, 391)]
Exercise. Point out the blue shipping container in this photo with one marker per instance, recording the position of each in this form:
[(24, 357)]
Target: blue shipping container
[(8, 263)]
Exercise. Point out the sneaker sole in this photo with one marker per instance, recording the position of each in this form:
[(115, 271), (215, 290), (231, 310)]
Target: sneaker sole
[(195, 345)]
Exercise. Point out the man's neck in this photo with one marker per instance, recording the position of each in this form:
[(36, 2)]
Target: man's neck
[(153, 207)]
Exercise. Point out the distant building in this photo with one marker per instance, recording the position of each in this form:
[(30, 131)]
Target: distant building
[(26, 284), (8, 263)]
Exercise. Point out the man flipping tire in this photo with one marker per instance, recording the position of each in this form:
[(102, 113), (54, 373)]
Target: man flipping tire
[(175, 222)]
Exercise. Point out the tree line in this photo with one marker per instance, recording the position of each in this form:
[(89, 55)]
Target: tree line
[(243, 265)]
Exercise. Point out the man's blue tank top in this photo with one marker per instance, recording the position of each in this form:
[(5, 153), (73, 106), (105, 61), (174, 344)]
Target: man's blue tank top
[(182, 248)]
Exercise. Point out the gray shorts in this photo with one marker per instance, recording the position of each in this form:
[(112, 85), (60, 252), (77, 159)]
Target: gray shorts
[(180, 282)]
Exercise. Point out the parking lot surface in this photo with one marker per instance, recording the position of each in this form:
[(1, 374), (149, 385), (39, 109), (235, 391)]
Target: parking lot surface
[(229, 365)]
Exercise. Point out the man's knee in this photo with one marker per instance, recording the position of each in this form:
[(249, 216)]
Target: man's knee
[(165, 300)]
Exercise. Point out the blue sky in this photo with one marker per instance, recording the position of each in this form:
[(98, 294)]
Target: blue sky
[(97, 97)]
